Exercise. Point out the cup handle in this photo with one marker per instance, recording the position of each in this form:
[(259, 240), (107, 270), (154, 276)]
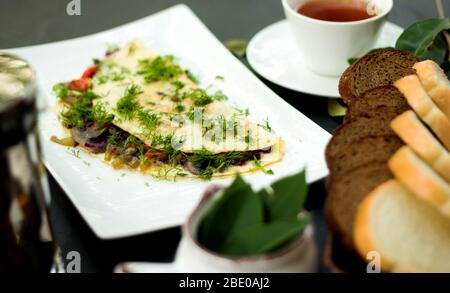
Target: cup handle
[(145, 267)]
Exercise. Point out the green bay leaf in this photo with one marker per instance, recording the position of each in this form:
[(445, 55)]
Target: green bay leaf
[(289, 195), (420, 36), (237, 208), (262, 238), (437, 51)]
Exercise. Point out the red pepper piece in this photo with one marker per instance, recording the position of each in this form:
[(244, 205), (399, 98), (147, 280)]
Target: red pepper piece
[(152, 155), (89, 72), (80, 85)]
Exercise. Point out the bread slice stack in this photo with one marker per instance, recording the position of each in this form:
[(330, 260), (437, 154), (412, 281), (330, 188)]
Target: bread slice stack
[(357, 154), (407, 220), (409, 235), (425, 107), (423, 166), (436, 84), (417, 136)]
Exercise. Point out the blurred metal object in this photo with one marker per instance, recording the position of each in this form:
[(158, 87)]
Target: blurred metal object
[(25, 235)]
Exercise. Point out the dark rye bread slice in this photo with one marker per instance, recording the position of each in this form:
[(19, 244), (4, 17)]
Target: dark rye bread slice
[(345, 194), (373, 70), (376, 124), (388, 96), (367, 150)]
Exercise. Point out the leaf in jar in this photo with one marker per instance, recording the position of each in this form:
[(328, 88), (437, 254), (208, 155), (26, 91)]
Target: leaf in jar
[(287, 199), (262, 238), (237, 208), (419, 37)]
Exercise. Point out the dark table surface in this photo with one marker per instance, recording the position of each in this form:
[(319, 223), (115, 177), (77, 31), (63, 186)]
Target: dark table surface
[(30, 22)]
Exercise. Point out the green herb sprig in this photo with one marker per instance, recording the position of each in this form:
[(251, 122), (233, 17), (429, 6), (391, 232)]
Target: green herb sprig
[(265, 125), (128, 106), (149, 121), (213, 163), (100, 115), (82, 110), (425, 39), (257, 163), (247, 223), (191, 77), (159, 68)]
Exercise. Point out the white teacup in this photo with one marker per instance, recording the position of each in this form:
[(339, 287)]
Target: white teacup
[(191, 257), (327, 45)]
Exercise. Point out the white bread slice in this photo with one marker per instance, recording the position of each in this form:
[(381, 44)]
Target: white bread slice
[(425, 108), (420, 179), (435, 83), (422, 142), (408, 233)]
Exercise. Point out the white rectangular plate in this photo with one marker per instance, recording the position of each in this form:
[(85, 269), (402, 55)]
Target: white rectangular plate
[(122, 203)]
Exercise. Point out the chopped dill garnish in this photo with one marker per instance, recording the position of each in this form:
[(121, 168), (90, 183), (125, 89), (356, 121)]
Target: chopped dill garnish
[(179, 108), (248, 139), (177, 85), (232, 126), (113, 139), (258, 165), (162, 142), (212, 163), (132, 48), (191, 76), (159, 68), (111, 48), (224, 127), (195, 114), (74, 152), (170, 172), (100, 115), (81, 109), (76, 114), (265, 125), (111, 71), (149, 121), (207, 126), (200, 97), (61, 90), (220, 96), (128, 105), (243, 112)]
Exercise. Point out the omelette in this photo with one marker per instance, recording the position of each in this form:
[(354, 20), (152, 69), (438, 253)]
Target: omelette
[(139, 110)]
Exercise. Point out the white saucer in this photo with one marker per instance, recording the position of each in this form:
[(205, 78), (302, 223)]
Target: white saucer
[(274, 55)]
